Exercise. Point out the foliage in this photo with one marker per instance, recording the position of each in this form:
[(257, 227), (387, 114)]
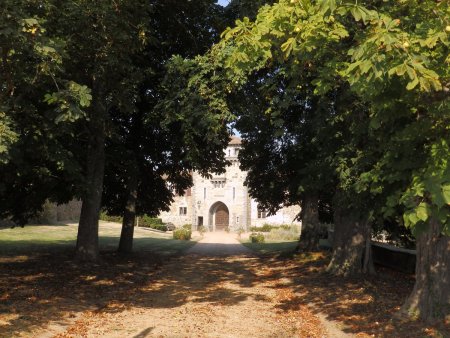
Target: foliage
[(239, 9), (353, 98), (256, 237), (265, 228), (182, 234), (153, 141), (283, 233), (74, 97), (108, 218), (160, 227), (187, 226), (392, 67), (145, 219), (152, 222), (40, 105)]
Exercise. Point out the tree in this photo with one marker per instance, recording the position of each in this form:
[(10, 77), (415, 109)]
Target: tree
[(239, 9), (399, 71), (406, 83), (100, 75), (39, 107), (101, 54), (281, 159), (296, 85), (153, 150)]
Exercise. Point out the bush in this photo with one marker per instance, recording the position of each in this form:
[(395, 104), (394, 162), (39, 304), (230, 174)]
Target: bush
[(182, 234), (147, 220), (153, 223), (256, 237), (187, 226), (201, 229), (107, 218), (265, 228)]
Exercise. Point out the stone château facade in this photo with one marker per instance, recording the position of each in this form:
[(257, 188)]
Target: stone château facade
[(222, 202)]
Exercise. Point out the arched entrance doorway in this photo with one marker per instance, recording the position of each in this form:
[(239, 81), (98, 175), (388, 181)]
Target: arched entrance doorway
[(219, 216)]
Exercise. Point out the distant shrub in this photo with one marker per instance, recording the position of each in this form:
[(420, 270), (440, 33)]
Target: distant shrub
[(256, 237), (145, 219), (284, 233), (265, 228), (108, 218), (152, 222), (182, 234), (201, 229), (287, 226), (187, 226)]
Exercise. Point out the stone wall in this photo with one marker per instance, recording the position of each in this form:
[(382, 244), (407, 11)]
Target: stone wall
[(285, 215)]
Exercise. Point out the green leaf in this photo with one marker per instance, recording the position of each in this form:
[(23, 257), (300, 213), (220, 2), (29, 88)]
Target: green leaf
[(413, 84), (288, 46), (423, 211), (446, 193), (413, 218)]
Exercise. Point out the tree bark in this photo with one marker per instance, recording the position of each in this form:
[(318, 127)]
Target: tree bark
[(129, 217), (310, 234), (430, 298), (87, 238), (351, 248)]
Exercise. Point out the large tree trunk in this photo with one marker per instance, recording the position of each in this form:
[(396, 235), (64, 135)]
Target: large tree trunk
[(129, 217), (351, 247), (87, 239), (310, 234), (430, 298)]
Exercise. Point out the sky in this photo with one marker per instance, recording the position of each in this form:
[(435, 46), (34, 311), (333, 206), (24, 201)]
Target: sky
[(223, 2)]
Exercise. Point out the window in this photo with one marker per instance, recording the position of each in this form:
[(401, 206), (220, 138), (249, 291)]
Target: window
[(183, 211), (261, 212), (218, 184), (237, 219), (204, 193), (236, 151), (234, 193)]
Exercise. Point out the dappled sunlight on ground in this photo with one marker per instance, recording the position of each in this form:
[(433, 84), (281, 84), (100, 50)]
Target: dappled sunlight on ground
[(211, 292), (362, 306)]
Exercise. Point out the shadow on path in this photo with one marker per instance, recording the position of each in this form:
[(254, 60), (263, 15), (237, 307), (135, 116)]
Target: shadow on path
[(45, 289)]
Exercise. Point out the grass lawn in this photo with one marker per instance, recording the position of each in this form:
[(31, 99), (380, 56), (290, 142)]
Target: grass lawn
[(269, 247), (51, 238)]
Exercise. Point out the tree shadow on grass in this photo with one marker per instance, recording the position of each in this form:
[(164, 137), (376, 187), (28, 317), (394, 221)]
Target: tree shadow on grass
[(360, 305)]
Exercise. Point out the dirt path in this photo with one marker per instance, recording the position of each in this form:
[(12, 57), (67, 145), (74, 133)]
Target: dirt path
[(218, 289), (219, 244)]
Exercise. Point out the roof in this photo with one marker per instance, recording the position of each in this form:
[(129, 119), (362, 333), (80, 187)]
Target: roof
[(235, 140)]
